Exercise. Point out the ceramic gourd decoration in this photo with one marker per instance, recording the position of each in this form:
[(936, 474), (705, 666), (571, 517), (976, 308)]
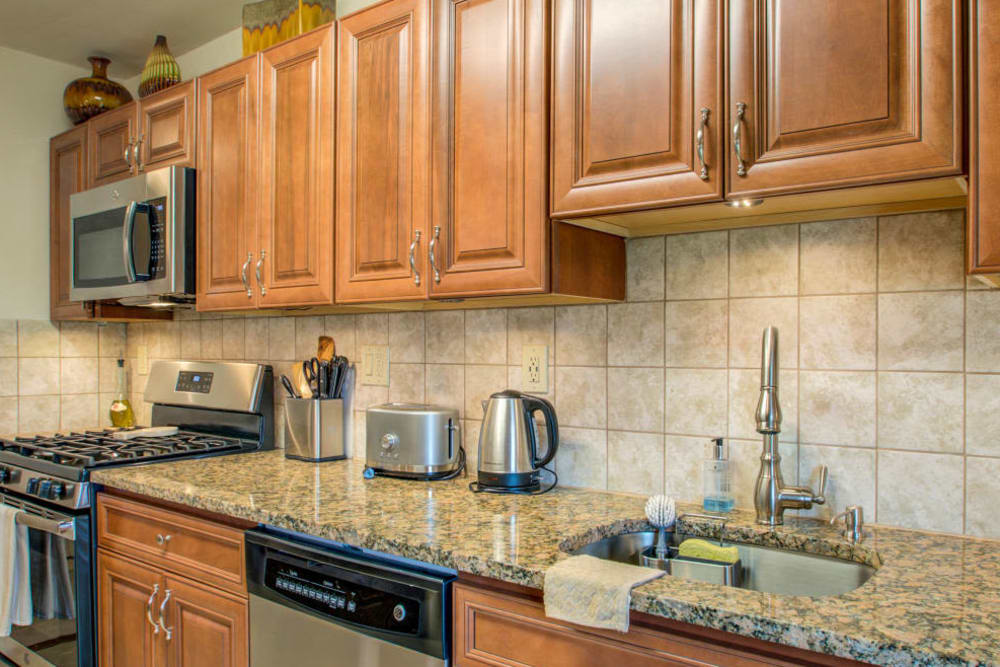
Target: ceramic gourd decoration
[(90, 95), (161, 70)]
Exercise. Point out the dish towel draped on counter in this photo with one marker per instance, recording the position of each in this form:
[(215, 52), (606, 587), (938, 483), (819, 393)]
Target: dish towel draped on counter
[(593, 591), (15, 574)]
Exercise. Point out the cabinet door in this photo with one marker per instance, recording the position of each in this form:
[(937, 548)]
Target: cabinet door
[(67, 174), (167, 129), (207, 628), (984, 130), (490, 145), (227, 186), (383, 154), (296, 171), (125, 595), (110, 139), (633, 85), (824, 95)]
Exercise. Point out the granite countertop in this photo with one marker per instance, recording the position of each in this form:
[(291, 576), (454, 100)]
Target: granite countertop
[(935, 599)]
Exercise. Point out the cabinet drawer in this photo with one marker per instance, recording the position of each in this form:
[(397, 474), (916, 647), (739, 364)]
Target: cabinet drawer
[(203, 550)]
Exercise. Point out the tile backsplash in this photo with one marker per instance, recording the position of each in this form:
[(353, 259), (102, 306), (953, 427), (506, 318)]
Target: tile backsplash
[(890, 365)]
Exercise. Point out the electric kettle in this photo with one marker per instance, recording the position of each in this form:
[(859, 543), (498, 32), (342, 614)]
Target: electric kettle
[(508, 444)]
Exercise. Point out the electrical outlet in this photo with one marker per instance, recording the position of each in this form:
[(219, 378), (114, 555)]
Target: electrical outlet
[(375, 365), (535, 368), (142, 362)]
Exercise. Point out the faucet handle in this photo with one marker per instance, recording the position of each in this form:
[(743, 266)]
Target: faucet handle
[(820, 497)]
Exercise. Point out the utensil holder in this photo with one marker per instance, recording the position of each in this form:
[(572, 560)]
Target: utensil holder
[(314, 429)]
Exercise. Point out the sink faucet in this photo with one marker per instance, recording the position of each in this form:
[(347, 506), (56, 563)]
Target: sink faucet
[(771, 497)]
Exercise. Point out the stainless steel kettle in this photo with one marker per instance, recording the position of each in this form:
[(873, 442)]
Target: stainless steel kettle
[(508, 443)]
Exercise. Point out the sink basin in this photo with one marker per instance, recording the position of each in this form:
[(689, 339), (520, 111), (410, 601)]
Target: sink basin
[(763, 569)]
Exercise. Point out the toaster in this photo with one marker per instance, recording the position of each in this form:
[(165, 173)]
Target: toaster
[(414, 441)]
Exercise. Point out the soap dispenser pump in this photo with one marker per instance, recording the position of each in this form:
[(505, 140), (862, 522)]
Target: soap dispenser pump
[(718, 495)]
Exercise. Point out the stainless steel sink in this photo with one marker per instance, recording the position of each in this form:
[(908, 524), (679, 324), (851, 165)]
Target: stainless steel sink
[(763, 569)]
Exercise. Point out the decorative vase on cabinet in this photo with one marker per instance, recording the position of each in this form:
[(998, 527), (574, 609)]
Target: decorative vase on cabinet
[(91, 95), (161, 70)]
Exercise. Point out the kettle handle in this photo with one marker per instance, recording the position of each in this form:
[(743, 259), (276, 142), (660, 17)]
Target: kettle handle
[(533, 404)]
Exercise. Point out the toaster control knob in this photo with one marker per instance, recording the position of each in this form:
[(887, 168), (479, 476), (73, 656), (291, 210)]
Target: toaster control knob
[(389, 442), (399, 613)]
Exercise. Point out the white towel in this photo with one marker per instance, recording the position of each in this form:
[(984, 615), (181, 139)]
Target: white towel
[(593, 591), (15, 571)]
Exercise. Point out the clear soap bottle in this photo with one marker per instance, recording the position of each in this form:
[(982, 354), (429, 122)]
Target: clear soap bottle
[(121, 407), (718, 495)]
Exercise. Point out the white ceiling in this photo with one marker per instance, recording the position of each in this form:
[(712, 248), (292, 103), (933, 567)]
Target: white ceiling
[(122, 30)]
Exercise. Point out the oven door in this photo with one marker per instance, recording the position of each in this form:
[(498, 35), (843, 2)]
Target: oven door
[(60, 591)]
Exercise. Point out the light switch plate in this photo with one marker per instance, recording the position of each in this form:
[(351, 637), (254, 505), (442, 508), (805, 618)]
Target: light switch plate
[(375, 365), (142, 362), (535, 368)]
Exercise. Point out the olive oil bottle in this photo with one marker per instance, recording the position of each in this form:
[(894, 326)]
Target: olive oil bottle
[(121, 408)]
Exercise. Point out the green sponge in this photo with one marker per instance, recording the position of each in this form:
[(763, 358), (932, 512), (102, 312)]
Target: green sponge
[(695, 548)]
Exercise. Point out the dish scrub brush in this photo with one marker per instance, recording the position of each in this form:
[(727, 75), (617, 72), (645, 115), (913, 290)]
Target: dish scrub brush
[(661, 511), (701, 549)]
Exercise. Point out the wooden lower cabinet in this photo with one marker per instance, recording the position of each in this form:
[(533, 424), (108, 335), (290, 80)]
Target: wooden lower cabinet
[(125, 593), (209, 628)]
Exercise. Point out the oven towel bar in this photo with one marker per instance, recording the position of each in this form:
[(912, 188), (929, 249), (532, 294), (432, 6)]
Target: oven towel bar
[(15, 577)]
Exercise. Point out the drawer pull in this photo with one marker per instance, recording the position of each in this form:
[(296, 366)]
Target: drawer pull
[(162, 539), (149, 609), (167, 631)]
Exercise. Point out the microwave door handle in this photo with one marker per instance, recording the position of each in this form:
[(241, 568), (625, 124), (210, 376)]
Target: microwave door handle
[(127, 228)]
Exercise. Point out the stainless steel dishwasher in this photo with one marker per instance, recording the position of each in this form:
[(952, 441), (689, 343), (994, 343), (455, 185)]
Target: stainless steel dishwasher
[(314, 604)]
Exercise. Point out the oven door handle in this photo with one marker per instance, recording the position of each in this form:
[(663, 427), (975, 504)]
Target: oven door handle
[(63, 529)]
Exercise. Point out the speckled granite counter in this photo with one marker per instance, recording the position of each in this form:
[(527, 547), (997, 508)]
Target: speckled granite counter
[(934, 600)]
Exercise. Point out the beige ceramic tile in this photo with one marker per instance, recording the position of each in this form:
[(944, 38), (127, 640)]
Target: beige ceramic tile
[(514, 382), (470, 440), (635, 334), (635, 399), (190, 335), (747, 320), (446, 386), (104, 409), (373, 329), (695, 402), (838, 256), (406, 337), (582, 396), (582, 460), (978, 283), (8, 376), (764, 261), (37, 338), (38, 375), (697, 265), (135, 336), (635, 462), (486, 336), (851, 478), (307, 333), (256, 338), (919, 490), (684, 459), (744, 392), (280, 338), (234, 338), (79, 375), (982, 415), (921, 251), (37, 414), (8, 417), (445, 333), (406, 383), (530, 326), (78, 339), (837, 408), (921, 331), (166, 342), (342, 328), (696, 333), (8, 338), (187, 314), (581, 336), (645, 268), (111, 340), (981, 339), (920, 411), (211, 339), (78, 412), (107, 372), (745, 464), (365, 396), (982, 497), (837, 332), (480, 383)]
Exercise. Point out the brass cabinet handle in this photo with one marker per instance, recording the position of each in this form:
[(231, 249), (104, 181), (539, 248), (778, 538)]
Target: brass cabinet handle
[(162, 539), (163, 606), (243, 275), (741, 166), (260, 263), (413, 260), (700, 141), (430, 253), (149, 609)]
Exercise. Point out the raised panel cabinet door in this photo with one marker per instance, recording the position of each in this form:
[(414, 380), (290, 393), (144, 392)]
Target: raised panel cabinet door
[(637, 117), (67, 174), (383, 152), (227, 186), (489, 232), (208, 628), (110, 139), (296, 172), (127, 597), (167, 128), (833, 94), (984, 130)]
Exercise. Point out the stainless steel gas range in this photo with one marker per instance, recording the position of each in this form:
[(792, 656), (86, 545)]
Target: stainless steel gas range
[(218, 409)]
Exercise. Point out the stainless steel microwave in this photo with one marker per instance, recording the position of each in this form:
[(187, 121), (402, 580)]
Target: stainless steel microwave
[(134, 240)]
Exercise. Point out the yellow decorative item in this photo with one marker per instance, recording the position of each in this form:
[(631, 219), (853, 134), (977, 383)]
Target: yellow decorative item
[(269, 22), (695, 548), (161, 70)]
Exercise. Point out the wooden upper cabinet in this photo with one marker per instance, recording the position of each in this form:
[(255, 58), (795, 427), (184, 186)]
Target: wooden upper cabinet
[(383, 153), (489, 232), (831, 94), (296, 171), (635, 84), (110, 139), (227, 194), (166, 134), (67, 174), (984, 128), (125, 594)]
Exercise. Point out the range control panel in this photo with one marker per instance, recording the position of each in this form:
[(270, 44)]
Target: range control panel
[(194, 381)]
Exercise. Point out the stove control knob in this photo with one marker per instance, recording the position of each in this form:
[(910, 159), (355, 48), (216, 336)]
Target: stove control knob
[(45, 488), (32, 488), (4, 475), (58, 490), (399, 613)]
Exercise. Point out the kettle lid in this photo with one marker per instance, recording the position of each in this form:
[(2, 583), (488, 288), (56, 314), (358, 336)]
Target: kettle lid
[(507, 393)]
